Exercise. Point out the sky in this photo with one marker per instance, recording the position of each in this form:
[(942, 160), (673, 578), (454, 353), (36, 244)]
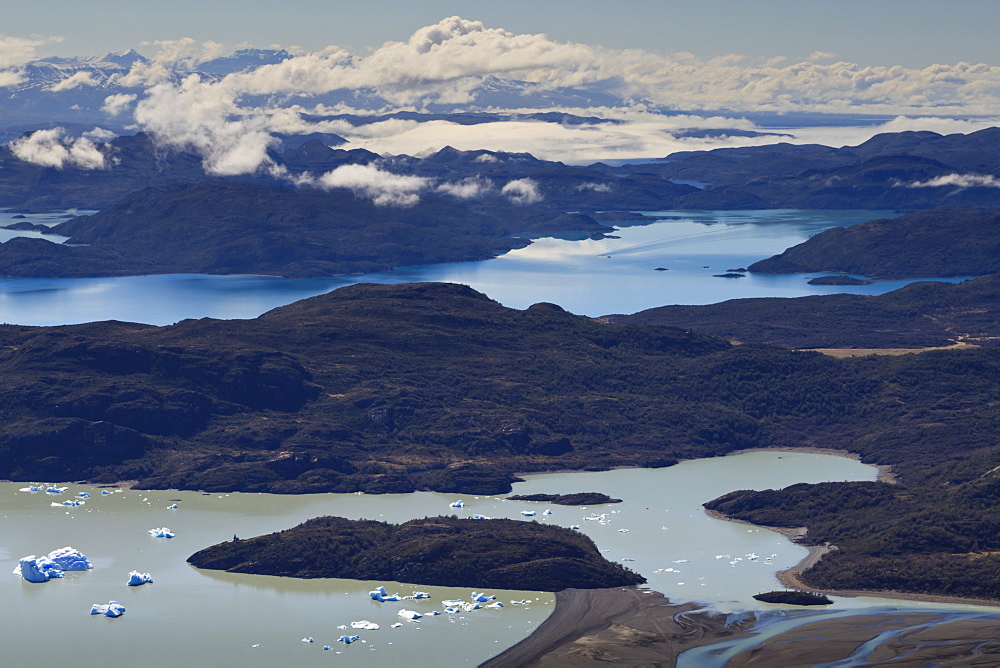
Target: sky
[(911, 33)]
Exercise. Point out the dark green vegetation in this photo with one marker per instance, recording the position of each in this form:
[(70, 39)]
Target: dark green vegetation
[(938, 533), (940, 242), (919, 315), (578, 499), (793, 598), (438, 551), (231, 228), (879, 174), (838, 280)]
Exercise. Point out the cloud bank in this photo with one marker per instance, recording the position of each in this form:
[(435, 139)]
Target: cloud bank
[(49, 149)]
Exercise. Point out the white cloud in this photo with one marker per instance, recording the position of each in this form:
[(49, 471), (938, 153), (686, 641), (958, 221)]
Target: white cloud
[(959, 181), (118, 103), (596, 187), (471, 187), (75, 80), (15, 52), (383, 188), (522, 191), (49, 148)]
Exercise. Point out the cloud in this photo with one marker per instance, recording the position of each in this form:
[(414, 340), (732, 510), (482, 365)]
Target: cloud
[(821, 55), (76, 80), (522, 191), (118, 103), (15, 52), (959, 181), (48, 148), (596, 187), (382, 187), (471, 187), (99, 135)]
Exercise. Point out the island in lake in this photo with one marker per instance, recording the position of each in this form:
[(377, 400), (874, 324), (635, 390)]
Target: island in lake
[(437, 551)]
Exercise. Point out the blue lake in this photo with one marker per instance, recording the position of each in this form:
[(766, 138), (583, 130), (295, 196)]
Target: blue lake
[(589, 277)]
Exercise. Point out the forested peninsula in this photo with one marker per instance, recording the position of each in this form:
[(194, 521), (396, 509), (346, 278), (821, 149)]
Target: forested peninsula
[(494, 553)]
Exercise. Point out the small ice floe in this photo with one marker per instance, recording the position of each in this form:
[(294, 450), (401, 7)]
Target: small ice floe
[(456, 504), (469, 607), (30, 488), (528, 513), (365, 625), (396, 625), (623, 531), (680, 561), (419, 595), (411, 615), (135, 578), (575, 526), (328, 647), (523, 601), (723, 556), (55, 490), (476, 516), (342, 627), (105, 492), (452, 602), (162, 532), (70, 559), (347, 640), (84, 495), (112, 609), (432, 613), (308, 639), (753, 556), (37, 569), (495, 604), (451, 610), (627, 559), (67, 502), (547, 512), (173, 506), (482, 598)]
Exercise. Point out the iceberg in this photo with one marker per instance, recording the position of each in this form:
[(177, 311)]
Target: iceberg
[(135, 578), (308, 639), (452, 602), (173, 507), (69, 559), (411, 615), (105, 492), (30, 488), (482, 598), (496, 604), (469, 607), (456, 504), (162, 532), (347, 640), (480, 517), (365, 625), (67, 502), (396, 625), (575, 526), (84, 495), (55, 490), (528, 513), (451, 610), (37, 569), (112, 609), (547, 512), (377, 594), (420, 594)]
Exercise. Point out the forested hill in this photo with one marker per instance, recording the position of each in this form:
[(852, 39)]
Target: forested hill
[(500, 553), (919, 315), (434, 386), (926, 244)]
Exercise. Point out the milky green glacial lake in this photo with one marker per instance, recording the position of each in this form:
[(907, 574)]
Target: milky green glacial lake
[(193, 617)]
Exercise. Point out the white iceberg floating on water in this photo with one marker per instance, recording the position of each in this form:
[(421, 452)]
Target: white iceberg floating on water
[(411, 615), (575, 526), (419, 595), (67, 502), (480, 517), (528, 513), (469, 607), (308, 639), (523, 601), (396, 625), (452, 602), (347, 640), (162, 532), (456, 504), (495, 604), (84, 495), (70, 559), (112, 609), (378, 594), (173, 507), (105, 492), (547, 512), (365, 625), (135, 578), (37, 569), (482, 598), (30, 488), (55, 490), (432, 613)]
